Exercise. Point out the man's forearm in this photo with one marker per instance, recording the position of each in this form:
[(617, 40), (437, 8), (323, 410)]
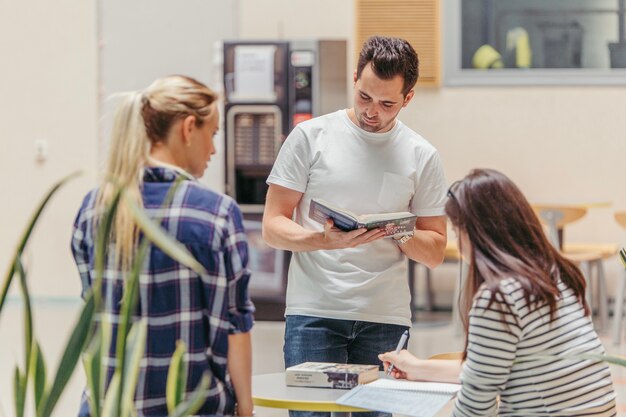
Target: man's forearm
[(426, 247), (283, 233)]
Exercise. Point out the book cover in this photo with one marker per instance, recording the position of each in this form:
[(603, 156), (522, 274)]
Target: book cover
[(395, 224), (330, 375)]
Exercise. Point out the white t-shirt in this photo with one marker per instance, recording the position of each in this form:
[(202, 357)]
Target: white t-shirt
[(329, 157)]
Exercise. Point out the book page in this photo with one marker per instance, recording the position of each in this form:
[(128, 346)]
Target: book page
[(409, 403), (404, 385), (385, 216)]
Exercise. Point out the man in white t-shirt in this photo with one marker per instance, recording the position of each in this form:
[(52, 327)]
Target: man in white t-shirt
[(347, 295)]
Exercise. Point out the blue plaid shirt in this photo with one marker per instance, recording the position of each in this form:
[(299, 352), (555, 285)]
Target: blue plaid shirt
[(179, 304)]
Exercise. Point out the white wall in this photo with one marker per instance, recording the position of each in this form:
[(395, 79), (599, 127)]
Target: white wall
[(48, 87), (61, 60), (142, 40), (559, 144)]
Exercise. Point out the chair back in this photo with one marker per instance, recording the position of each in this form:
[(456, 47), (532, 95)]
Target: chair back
[(555, 217), (620, 216), (560, 215), (447, 355)]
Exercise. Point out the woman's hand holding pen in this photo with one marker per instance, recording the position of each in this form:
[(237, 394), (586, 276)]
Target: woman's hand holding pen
[(405, 365)]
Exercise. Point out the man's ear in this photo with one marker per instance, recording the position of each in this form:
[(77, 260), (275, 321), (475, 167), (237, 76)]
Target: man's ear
[(187, 126), (408, 98), (354, 77)]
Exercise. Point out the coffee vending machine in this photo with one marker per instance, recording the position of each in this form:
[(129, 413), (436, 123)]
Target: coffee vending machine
[(269, 87)]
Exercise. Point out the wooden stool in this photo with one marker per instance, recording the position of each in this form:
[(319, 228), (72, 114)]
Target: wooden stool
[(587, 256)]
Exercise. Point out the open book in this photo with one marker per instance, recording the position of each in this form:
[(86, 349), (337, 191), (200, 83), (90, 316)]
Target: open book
[(410, 398), (395, 224)]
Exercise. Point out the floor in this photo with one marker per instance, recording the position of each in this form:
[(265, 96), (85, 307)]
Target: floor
[(432, 333)]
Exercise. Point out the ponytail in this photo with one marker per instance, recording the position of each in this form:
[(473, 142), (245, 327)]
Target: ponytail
[(143, 119), (129, 146)]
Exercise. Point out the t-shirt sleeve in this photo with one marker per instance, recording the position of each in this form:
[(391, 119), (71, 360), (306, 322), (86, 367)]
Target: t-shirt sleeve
[(430, 194), (493, 336), (291, 169)]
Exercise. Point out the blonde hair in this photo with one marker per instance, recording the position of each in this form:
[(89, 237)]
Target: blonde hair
[(142, 119)]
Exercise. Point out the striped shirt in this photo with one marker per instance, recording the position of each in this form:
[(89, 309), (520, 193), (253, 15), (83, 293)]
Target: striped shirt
[(179, 304), (508, 331)]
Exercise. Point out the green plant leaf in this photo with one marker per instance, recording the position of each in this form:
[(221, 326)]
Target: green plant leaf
[(129, 302), (103, 236), (612, 359), (196, 399), (167, 243), (111, 399), (92, 360), (135, 347), (38, 373), (26, 235), (70, 357), (28, 314), (19, 385), (176, 377), (106, 332)]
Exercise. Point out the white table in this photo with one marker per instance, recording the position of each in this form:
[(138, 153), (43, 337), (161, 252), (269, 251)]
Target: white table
[(269, 390)]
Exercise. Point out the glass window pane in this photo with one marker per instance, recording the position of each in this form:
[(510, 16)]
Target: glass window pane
[(542, 34)]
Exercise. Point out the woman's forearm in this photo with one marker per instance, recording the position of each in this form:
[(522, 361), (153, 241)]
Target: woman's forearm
[(240, 370), (438, 370)]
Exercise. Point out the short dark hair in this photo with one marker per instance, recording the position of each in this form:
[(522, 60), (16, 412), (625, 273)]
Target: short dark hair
[(390, 57)]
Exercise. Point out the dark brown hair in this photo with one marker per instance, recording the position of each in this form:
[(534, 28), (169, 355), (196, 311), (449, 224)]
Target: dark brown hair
[(507, 241), (390, 57)]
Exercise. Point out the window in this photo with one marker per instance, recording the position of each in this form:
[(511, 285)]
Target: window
[(535, 42)]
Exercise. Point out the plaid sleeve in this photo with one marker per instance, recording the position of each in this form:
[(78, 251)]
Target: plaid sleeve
[(240, 307), (79, 247)]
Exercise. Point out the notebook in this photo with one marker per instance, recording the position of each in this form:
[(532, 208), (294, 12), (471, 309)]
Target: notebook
[(410, 398)]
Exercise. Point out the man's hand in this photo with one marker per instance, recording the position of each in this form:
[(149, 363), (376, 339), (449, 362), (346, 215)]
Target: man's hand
[(335, 238)]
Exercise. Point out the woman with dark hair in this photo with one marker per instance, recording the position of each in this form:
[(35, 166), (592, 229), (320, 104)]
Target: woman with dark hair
[(521, 300)]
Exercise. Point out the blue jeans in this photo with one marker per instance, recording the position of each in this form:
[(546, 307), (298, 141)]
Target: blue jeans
[(314, 339)]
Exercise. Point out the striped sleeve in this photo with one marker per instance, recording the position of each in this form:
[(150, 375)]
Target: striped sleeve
[(493, 336)]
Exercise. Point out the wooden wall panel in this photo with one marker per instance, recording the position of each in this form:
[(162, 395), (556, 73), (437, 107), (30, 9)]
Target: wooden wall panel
[(417, 21)]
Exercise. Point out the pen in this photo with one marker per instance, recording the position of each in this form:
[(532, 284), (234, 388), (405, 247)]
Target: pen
[(401, 343)]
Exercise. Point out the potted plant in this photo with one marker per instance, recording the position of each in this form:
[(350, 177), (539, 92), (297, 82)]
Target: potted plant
[(89, 336)]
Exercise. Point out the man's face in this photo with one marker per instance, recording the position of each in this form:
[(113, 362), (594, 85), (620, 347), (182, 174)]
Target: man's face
[(377, 102)]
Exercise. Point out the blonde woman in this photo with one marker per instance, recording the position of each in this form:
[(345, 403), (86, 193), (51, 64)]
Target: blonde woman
[(160, 135)]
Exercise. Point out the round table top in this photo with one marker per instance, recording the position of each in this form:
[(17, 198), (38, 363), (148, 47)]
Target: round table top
[(269, 390)]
